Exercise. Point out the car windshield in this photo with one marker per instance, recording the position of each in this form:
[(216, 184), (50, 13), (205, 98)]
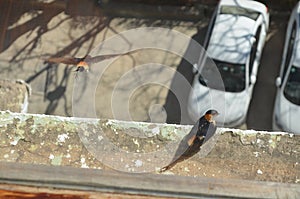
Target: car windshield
[(292, 87), (233, 76), (234, 10)]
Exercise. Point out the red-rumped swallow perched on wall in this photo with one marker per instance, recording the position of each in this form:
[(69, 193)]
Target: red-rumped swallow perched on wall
[(191, 143)]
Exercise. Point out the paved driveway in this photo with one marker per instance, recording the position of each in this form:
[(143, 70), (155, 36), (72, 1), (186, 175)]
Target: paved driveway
[(32, 35)]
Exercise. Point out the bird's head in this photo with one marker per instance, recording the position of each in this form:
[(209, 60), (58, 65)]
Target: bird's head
[(82, 66), (81, 69), (210, 114)]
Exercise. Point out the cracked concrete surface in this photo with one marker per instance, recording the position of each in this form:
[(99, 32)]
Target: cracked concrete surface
[(237, 154)]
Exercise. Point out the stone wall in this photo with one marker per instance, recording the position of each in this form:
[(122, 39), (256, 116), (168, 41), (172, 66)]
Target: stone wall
[(144, 147)]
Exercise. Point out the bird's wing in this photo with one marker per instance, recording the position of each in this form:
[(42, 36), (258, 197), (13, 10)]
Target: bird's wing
[(191, 140), (190, 145), (187, 147), (96, 59), (64, 60), (210, 131), (185, 143)]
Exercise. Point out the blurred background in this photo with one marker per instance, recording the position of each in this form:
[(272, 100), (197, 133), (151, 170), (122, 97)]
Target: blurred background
[(32, 30)]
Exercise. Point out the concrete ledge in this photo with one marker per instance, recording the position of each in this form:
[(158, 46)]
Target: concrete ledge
[(14, 95), (237, 154), (239, 163), (40, 181)]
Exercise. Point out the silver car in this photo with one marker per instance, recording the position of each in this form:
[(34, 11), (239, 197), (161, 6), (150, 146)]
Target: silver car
[(234, 43), (287, 103)]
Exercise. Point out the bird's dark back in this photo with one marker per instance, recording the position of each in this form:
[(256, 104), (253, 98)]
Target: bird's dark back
[(203, 126), (206, 128)]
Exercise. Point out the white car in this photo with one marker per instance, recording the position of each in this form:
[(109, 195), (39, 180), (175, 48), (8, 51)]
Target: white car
[(287, 103), (234, 42)]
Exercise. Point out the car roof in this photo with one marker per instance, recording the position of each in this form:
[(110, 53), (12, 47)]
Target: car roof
[(231, 38)]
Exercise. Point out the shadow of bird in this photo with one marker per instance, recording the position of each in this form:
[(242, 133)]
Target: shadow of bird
[(191, 144)]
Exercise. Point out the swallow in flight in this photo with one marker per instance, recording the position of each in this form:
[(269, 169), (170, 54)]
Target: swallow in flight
[(84, 63)]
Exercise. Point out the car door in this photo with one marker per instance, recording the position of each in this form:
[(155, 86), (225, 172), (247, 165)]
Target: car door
[(287, 57), (253, 62), (254, 57)]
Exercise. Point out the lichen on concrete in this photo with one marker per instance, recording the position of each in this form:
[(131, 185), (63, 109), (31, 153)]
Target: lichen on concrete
[(77, 142)]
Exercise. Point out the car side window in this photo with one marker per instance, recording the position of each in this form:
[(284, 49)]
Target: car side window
[(210, 29), (290, 49), (254, 50)]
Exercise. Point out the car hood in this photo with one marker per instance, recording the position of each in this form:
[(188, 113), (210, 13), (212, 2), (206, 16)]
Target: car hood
[(287, 115), (232, 107), (231, 38)]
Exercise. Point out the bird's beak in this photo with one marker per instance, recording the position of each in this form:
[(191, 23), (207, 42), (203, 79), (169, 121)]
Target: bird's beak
[(215, 115)]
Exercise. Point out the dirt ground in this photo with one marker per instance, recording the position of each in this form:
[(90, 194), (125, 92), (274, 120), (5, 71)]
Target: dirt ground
[(35, 31)]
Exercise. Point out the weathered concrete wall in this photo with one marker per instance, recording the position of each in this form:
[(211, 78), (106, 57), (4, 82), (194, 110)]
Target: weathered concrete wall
[(14, 95), (77, 142)]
